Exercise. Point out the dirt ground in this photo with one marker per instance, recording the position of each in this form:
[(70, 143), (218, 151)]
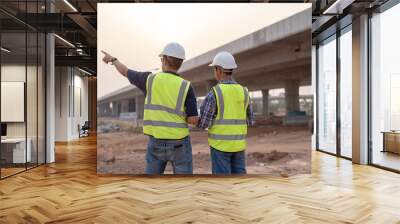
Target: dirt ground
[(272, 149)]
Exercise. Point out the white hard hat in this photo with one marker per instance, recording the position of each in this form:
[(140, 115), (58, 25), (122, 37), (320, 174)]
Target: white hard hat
[(174, 50), (225, 60)]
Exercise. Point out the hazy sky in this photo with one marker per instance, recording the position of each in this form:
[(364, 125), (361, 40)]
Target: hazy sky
[(136, 33)]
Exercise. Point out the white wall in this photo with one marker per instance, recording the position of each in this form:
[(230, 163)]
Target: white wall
[(62, 81), (12, 101), (33, 126), (16, 73), (69, 85), (11, 73), (79, 117)]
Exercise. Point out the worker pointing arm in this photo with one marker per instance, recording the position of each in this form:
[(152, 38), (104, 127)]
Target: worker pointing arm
[(139, 79), (114, 61), (170, 105)]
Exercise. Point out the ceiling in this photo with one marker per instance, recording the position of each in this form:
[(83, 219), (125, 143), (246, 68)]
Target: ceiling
[(76, 22)]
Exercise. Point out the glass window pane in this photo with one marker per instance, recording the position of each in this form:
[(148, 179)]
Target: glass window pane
[(346, 94), (327, 96), (31, 97), (41, 98), (14, 153), (385, 114), (32, 87), (23, 88)]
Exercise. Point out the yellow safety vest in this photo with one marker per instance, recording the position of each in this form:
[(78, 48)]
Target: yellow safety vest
[(164, 116), (229, 129)]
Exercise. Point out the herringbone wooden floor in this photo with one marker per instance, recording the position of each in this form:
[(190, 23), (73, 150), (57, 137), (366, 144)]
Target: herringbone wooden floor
[(69, 191)]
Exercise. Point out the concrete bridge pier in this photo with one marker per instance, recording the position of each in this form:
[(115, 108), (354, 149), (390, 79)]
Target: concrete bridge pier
[(125, 105), (265, 101), (115, 106), (292, 95)]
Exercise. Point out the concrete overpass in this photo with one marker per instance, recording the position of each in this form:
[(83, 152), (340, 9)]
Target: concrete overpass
[(276, 56)]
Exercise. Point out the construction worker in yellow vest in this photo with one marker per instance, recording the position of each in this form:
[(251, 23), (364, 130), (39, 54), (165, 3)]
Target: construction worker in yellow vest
[(226, 112), (170, 105)]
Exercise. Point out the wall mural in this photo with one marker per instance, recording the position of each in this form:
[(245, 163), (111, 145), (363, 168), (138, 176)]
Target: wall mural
[(194, 92)]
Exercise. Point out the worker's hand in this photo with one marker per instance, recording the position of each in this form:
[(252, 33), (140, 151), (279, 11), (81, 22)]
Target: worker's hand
[(192, 120), (107, 57), (117, 64)]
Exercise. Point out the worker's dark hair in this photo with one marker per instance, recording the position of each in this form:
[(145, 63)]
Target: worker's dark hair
[(172, 62), (228, 71), (225, 71)]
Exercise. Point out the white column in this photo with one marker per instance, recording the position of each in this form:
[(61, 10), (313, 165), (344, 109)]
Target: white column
[(360, 90), (314, 89), (50, 99)]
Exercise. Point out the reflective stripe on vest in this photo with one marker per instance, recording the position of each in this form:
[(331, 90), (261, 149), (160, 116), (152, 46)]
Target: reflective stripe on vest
[(163, 108), (229, 129), (227, 137), (165, 124), (230, 121), (162, 119)]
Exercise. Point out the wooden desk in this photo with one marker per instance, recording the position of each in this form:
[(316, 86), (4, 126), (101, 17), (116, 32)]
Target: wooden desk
[(18, 150), (391, 141)]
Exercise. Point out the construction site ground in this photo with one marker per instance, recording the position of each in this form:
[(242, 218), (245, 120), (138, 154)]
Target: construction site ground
[(272, 148)]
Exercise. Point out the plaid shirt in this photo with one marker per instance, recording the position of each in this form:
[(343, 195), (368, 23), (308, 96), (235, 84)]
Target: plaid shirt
[(208, 109)]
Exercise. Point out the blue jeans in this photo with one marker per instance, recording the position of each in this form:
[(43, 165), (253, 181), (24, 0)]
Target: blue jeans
[(228, 162), (160, 152)]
